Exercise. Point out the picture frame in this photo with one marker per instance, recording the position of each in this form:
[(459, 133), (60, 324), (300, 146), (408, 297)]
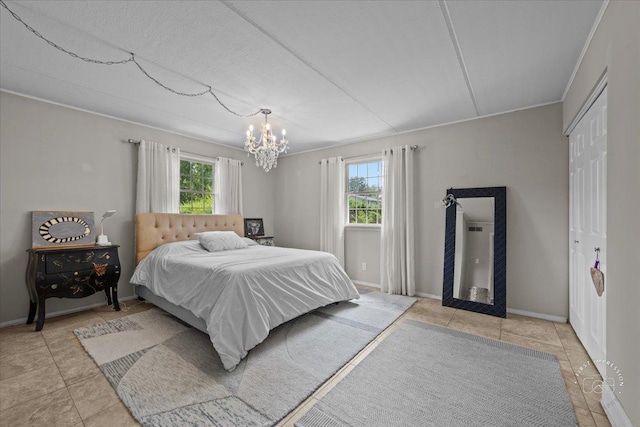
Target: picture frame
[(59, 229), (253, 227)]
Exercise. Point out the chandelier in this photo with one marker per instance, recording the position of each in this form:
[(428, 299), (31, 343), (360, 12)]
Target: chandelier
[(267, 148)]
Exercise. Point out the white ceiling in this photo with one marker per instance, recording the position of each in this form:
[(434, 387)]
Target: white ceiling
[(332, 72)]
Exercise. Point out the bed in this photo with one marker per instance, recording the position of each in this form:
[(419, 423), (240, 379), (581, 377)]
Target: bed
[(235, 296)]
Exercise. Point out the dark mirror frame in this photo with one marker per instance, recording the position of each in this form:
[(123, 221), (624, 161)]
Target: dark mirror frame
[(499, 307)]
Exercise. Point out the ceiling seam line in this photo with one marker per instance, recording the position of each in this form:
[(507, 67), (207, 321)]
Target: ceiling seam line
[(456, 46), (304, 61)]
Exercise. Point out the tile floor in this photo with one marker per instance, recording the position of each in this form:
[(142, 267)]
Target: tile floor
[(46, 378)]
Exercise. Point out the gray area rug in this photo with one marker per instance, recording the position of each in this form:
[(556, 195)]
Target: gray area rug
[(168, 373), (425, 375)]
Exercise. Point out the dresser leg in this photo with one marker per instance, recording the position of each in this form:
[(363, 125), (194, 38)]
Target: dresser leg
[(40, 322), (32, 312), (107, 291), (114, 295)]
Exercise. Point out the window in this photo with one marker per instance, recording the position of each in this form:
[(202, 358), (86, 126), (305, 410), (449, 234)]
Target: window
[(364, 192), (196, 187)]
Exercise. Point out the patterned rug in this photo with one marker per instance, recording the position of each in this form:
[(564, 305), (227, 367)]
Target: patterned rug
[(168, 374), (426, 375)]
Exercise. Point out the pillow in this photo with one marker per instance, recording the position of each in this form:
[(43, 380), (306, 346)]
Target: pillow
[(249, 242), (215, 241)]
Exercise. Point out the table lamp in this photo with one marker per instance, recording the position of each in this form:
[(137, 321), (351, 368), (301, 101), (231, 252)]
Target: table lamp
[(103, 240)]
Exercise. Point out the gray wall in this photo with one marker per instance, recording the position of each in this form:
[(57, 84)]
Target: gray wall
[(524, 151), (57, 158), (364, 247), (616, 48)]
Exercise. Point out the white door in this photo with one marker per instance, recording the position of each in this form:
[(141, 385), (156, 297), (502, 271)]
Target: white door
[(587, 226)]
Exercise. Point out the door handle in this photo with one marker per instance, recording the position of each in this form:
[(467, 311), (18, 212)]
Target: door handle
[(576, 241)]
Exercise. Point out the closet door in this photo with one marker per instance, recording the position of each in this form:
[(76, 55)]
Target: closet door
[(577, 214), (587, 226)]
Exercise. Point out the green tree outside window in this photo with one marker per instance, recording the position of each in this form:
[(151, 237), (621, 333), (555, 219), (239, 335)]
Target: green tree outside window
[(196, 187), (364, 192)]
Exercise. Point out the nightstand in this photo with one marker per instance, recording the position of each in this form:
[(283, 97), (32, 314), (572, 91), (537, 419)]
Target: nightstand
[(71, 273), (263, 240)]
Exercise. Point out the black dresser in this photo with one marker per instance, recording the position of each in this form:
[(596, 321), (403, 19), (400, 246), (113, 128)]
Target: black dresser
[(71, 273)]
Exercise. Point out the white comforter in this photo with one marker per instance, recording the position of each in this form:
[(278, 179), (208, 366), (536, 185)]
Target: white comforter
[(242, 294)]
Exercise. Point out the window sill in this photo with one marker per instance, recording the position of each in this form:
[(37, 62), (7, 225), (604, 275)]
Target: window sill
[(363, 227)]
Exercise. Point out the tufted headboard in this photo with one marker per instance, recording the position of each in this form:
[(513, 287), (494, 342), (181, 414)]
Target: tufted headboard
[(155, 229)]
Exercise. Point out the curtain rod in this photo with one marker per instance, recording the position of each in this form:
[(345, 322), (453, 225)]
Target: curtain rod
[(413, 147), (134, 142)]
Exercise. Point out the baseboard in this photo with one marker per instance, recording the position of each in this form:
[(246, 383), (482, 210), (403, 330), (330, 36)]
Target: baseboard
[(614, 410), (432, 296), (23, 320), (558, 319), (375, 285), (360, 282)]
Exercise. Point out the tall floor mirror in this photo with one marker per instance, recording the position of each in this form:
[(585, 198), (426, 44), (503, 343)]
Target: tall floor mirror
[(475, 252)]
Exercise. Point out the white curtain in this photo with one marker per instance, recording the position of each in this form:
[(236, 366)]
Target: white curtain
[(227, 186), (332, 210), (397, 240), (158, 187)]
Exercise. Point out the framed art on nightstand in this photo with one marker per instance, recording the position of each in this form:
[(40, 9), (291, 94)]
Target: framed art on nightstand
[(253, 227), (55, 229)]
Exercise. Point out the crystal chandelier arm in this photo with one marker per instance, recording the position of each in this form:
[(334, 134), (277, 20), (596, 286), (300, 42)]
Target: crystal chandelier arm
[(283, 147), (267, 148)]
